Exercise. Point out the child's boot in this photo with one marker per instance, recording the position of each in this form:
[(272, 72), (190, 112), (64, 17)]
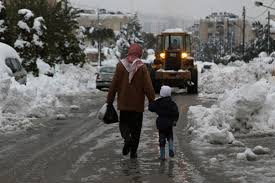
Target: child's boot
[(162, 153), (171, 148)]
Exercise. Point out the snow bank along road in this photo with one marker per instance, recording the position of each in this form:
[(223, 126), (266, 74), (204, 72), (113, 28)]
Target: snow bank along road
[(82, 149)]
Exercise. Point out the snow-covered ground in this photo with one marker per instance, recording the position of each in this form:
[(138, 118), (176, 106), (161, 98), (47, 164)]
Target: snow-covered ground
[(20, 104), (39, 98), (245, 95)]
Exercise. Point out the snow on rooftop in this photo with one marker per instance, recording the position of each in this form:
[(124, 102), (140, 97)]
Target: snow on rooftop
[(90, 50), (103, 16), (173, 30)]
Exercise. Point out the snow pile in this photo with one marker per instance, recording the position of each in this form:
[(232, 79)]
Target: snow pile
[(259, 150), (43, 67), (39, 98), (150, 57), (219, 78), (245, 104), (110, 56), (247, 155), (249, 108)]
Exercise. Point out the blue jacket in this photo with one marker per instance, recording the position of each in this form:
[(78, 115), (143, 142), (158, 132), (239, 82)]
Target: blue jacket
[(167, 111)]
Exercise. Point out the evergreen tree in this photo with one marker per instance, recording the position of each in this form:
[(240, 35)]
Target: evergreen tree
[(134, 30), (258, 45), (60, 43), (150, 40), (129, 34), (63, 43), (122, 43), (39, 37), (24, 44), (211, 51), (3, 23)]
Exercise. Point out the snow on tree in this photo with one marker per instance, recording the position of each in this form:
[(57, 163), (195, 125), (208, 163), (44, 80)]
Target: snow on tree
[(134, 30), (39, 29), (3, 25), (39, 37), (24, 37), (258, 45), (24, 43), (81, 36), (210, 51), (129, 34)]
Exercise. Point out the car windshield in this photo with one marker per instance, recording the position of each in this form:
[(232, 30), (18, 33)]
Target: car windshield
[(13, 64), (108, 69)]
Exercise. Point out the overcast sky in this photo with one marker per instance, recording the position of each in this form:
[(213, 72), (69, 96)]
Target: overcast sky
[(189, 8)]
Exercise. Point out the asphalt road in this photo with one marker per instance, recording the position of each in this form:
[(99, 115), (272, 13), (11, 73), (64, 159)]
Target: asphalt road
[(81, 149)]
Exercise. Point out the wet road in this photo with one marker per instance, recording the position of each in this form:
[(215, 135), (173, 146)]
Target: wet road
[(81, 149)]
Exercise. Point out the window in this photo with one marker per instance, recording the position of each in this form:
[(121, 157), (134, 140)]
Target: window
[(173, 42), (13, 64), (108, 69), (188, 44)]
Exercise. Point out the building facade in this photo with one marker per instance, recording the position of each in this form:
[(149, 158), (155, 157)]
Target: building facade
[(226, 27), (113, 21)]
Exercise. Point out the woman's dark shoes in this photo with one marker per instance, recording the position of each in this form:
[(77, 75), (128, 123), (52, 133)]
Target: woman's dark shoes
[(126, 149)]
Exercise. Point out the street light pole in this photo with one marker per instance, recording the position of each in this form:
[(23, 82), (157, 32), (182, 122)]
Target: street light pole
[(258, 3), (268, 37), (244, 31), (98, 40)]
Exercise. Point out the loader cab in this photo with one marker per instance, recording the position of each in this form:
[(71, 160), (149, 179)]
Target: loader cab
[(173, 51), (174, 41)]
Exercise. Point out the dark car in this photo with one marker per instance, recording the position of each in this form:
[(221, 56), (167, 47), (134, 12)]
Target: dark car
[(11, 65), (104, 76)]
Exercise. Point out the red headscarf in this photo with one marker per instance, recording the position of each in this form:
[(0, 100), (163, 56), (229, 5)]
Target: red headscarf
[(132, 62), (134, 52)]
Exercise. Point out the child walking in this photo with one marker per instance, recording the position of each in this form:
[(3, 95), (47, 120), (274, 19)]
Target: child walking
[(168, 114)]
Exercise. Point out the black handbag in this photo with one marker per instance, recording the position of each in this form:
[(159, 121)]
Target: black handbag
[(110, 115)]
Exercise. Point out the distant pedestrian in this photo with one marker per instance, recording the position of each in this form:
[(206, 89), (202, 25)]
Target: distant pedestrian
[(132, 83), (168, 114)]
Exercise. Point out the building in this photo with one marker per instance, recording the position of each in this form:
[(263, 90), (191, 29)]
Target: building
[(226, 27), (158, 23), (111, 20)]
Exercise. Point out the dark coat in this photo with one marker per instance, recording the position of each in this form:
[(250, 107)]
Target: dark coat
[(167, 111), (131, 96)]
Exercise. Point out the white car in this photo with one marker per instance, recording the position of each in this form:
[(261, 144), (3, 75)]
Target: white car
[(10, 64)]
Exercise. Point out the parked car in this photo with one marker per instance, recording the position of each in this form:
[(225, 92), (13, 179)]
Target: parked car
[(10, 64), (104, 76)]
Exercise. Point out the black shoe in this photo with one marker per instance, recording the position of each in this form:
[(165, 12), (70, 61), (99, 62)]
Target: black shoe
[(126, 149), (133, 155), (171, 153)]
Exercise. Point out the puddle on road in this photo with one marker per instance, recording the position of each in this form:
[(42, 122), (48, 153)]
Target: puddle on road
[(109, 167)]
